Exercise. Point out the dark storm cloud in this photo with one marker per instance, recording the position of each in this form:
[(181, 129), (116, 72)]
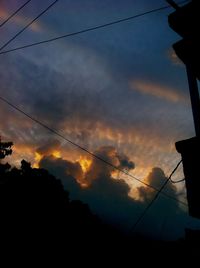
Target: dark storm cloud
[(125, 163), (109, 198), (166, 218), (110, 155), (156, 178), (48, 146)]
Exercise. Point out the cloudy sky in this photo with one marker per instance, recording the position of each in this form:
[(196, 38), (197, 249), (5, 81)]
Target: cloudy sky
[(118, 91)]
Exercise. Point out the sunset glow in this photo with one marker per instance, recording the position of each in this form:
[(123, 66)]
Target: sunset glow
[(85, 163), (37, 159), (158, 91), (100, 108), (56, 154)]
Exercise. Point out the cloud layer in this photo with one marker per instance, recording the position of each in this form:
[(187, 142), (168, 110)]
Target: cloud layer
[(159, 91), (79, 96)]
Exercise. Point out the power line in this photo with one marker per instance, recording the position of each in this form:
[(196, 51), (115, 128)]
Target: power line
[(23, 29), (88, 29), (85, 149), (181, 180), (13, 14), (155, 197), (73, 143)]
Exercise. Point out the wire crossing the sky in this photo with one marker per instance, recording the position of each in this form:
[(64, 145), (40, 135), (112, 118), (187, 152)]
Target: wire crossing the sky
[(85, 149), (29, 24), (86, 30), (154, 199), (13, 14)]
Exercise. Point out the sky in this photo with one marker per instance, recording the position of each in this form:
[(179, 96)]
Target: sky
[(118, 91)]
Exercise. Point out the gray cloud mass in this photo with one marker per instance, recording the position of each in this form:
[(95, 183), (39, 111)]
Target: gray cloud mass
[(109, 197)]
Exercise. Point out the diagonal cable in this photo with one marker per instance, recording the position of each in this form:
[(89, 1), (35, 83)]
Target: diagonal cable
[(13, 14), (85, 149), (25, 27), (154, 199), (87, 30)]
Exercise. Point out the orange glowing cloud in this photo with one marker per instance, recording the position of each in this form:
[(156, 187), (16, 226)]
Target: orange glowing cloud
[(158, 91), (56, 154), (85, 163), (21, 21), (85, 169), (38, 157), (146, 148)]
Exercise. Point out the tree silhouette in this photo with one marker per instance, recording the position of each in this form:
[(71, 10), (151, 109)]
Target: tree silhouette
[(36, 210), (5, 149)]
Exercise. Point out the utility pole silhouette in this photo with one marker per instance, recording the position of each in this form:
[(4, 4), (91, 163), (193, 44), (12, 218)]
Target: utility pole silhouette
[(185, 21)]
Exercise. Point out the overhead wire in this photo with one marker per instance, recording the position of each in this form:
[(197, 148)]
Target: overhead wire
[(29, 24), (14, 13), (54, 131), (68, 140), (71, 142), (181, 180), (85, 149), (87, 30), (178, 181), (154, 199), (75, 33)]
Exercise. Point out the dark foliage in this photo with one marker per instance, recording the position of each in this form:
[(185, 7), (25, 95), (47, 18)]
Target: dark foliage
[(37, 217), (5, 149), (35, 207)]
